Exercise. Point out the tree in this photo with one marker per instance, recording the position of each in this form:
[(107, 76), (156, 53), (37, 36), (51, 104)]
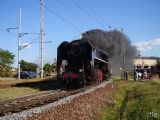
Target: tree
[(6, 60), (47, 69), (26, 66)]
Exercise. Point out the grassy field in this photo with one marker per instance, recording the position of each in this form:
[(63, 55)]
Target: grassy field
[(8, 92), (14, 92), (15, 81), (10, 89), (134, 101)]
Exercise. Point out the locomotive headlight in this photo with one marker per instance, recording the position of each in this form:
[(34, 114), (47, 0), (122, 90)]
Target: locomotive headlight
[(80, 70)]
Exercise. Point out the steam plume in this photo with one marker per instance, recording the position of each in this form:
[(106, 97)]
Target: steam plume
[(112, 43)]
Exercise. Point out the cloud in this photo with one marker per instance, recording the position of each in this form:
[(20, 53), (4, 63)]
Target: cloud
[(147, 45)]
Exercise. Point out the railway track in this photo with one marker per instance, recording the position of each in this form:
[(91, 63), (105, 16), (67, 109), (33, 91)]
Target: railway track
[(39, 99), (26, 102)]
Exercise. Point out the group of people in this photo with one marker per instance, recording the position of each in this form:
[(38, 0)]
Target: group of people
[(139, 75)]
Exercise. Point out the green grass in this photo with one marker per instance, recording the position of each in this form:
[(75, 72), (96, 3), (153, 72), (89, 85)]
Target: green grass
[(10, 89), (15, 81), (9, 92), (14, 92), (134, 101)]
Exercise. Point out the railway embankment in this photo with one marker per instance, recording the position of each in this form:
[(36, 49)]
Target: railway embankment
[(83, 105)]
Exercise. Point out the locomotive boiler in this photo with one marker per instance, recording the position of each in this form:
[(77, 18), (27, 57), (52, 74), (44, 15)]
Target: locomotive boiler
[(79, 62)]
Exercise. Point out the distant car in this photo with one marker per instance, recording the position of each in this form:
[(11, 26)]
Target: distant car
[(27, 75), (33, 74)]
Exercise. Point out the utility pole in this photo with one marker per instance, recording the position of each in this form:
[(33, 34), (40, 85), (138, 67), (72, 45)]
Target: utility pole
[(123, 55), (20, 47), (124, 58), (19, 43), (41, 35)]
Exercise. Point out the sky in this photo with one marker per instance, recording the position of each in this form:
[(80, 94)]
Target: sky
[(65, 20)]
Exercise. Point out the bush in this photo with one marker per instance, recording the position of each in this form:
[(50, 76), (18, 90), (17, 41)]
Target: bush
[(47, 69)]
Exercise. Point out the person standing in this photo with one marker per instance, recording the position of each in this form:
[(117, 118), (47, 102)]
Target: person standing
[(145, 75), (126, 75), (135, 75), (139, 75)]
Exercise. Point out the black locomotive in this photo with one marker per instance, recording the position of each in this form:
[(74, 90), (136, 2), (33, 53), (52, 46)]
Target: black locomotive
[(79, 63)]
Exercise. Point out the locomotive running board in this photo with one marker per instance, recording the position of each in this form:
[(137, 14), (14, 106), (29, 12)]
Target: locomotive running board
[(100, 59)]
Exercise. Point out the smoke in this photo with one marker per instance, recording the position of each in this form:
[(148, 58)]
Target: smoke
[(112, 43)]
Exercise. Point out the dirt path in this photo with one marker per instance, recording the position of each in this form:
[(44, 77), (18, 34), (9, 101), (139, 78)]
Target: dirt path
[(2, 86)]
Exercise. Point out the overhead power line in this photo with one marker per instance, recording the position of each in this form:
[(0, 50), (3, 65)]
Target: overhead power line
[(74, 14), (33, 41), (87, 13), (61, 18), (94, 12)]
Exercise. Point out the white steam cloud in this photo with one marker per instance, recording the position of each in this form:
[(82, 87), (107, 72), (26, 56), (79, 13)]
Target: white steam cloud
[(147, 45)]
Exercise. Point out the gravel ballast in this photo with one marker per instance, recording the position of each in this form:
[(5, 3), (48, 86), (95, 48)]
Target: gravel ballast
[(82, 106)]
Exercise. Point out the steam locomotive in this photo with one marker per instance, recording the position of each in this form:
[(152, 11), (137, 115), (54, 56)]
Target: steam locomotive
[(80, 63)]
